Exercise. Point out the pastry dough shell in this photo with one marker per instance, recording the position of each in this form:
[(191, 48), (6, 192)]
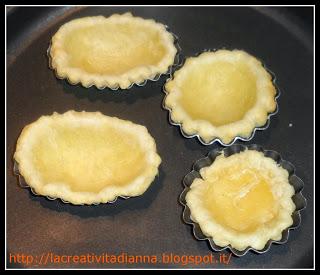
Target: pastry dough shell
[(41, 128), (255, 118), (59, 59), (224, 236)]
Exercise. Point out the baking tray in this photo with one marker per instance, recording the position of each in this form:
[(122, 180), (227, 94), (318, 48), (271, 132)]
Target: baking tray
[(152, 224)]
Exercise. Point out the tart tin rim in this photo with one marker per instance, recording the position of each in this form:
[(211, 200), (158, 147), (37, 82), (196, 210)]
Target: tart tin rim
[(23, 184), (155, 78), (216, 139), (298, 199)]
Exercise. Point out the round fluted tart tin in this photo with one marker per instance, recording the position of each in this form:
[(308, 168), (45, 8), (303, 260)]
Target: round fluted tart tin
[(217, 139), (298, 199)]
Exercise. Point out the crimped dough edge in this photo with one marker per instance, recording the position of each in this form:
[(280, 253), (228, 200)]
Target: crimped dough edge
[(134, 188), (58, 57), (257, 239), (255, 117)]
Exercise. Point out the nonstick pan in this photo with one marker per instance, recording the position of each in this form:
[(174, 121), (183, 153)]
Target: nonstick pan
[(151, 224)]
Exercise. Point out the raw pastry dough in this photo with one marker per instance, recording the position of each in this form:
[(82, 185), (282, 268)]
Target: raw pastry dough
[(86, 158), (242, 200), (111, 52), (222, 94)]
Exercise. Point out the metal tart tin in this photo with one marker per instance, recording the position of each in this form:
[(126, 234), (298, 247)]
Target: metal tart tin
[(23, 184), (140, 84), (298, 199), (264, 127)]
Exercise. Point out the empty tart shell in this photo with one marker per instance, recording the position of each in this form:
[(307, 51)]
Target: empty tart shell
[(221, 96), (235, 229), (86, 157), (113, 52)]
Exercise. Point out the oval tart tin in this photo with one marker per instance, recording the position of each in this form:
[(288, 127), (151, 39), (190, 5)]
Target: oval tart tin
[(141, 84), (23, 184), (298, 199)]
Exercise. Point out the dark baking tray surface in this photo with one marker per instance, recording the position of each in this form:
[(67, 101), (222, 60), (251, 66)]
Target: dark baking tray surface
[(151, 224)]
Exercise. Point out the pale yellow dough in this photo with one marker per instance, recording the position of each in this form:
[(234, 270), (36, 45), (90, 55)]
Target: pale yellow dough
[(221, 94), (86, 158), (109, 52), (242, 200)]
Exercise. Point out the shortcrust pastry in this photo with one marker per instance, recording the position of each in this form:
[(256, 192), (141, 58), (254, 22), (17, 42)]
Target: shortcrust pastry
[(221, 95), (113, 52), (86, 157), (243, 200)]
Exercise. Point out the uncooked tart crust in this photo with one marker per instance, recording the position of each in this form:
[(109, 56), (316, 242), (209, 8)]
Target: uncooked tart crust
[(243, 200), (86, 157), (113, 52), (221, 95)]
